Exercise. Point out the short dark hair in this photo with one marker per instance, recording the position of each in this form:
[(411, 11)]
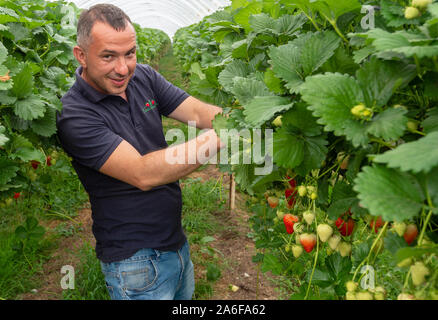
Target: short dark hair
[(104, 12)]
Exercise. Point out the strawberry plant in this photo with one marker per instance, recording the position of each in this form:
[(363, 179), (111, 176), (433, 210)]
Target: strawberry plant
[(354, 119)]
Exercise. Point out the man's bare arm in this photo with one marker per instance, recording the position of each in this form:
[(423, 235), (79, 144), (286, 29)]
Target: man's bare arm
[(152, 169), (193, 109)]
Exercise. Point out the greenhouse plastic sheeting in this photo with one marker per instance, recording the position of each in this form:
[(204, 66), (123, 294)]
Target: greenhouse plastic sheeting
[(166, 15)]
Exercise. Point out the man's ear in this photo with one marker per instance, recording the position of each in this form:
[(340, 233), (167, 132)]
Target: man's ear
[(80, 55)]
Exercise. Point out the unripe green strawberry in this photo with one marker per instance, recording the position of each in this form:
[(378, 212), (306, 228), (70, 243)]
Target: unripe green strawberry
[(412, 126), (421, 4), (276, 220), (280, 214), (309, 216), (8, 201), (287, 248), (297, 238), (364, 295), (411, 13), (405, 263), (302, 191), (297, 250), (418, 272), (313, 196), (277, 121), (298, 227), (310, 190), (405, 296), (333, 241), (344, 249), (351, 286), (350, 296), (379, 293), (400, 228), (324, 232), (357, 110)]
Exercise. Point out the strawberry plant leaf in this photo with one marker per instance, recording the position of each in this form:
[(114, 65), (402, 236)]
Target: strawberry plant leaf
[(416, 156), (410, 252), (46, 125), (23, 149), (333, 9), (393, 194), (288, 149), (320, 278), (294, 61), (261, 109), (430, 124), (3, 53), (23, 83), (379, 80), (8, 170), (389, 125), (242, 17), (331, 96), (237, 68), (432, 186), (272, 263), (315, 151), (338, 266), (245, 89), (30, 108), (3, 137)]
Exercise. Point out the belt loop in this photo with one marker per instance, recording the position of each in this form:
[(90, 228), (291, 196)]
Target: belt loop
[(157, 252)]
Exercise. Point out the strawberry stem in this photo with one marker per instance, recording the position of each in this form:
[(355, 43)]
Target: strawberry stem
[(371, 249), (316, 256)]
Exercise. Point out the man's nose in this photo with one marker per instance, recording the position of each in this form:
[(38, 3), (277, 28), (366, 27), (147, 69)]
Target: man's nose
[(121, 67)]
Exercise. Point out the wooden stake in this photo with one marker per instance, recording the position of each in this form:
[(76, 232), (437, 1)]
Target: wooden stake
[(232, 192)]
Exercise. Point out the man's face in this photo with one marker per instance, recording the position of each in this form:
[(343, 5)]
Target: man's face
[(110, 59)]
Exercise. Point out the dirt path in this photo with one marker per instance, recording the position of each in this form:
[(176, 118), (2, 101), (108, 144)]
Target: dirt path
[(237, 250)]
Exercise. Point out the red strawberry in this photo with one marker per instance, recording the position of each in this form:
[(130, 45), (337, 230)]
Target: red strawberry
[(17, 195), (290, 195), (35, 164), (410, 233), (48, 161), (379, 222), (308, 241), (346, 228), (273, 202), (292, 182), (289, 221)]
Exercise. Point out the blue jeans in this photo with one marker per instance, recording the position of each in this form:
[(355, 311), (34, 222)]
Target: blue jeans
[(151, 275)]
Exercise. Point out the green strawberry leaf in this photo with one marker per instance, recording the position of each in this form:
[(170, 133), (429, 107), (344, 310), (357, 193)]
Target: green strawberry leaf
[(379, 80), (261, 109), (273, 83), (3, 53), (393, 194), (3, 138), (30, 108), (23, 149), (333, 9), (294, 61), (237, 68), (430, 124), (45, 126), (23, 83), (242, 17), (338, 266), (416, 156), (8, 170), (331, 96), (288, 149), (245, 89), (389, 125)]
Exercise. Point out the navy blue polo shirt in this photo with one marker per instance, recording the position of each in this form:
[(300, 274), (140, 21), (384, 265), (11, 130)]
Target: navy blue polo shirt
[(90, 127)]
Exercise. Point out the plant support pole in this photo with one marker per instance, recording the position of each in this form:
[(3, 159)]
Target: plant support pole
[(232, 192)]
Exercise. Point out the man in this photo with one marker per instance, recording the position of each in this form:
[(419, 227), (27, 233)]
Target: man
[(111, 127)]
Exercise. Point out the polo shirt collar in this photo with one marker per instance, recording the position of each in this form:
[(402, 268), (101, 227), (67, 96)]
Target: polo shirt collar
[(92, 94)]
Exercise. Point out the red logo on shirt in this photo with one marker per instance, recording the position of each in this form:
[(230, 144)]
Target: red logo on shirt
[(149, 105)]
